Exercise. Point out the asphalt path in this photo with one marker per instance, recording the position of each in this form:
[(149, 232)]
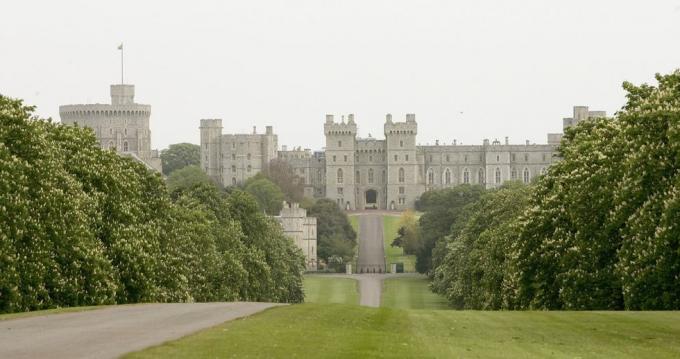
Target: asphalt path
[(113, 331), (371, 248)]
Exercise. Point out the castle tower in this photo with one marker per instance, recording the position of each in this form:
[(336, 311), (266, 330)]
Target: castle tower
[(404, 184), (340, 152), (122, 126), (211, 133)]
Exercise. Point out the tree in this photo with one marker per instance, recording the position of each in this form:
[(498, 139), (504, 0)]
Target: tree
[(335, 234), (180, 155), (283, 175), (267, 194), (187, 177), (441, 210), (407, 234)]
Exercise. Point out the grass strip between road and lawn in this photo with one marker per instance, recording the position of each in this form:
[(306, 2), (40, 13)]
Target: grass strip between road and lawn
[(350, 331), (37, 313), (411, 292), (396, 254), (330, 289)]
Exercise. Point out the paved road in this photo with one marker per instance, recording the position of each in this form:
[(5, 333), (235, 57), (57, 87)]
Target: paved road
[(113, 331), (371, 250)]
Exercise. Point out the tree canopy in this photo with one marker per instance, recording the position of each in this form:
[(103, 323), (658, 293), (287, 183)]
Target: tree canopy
[(283, 175), (267, 194), (335, 234), (187, 177), (180, 155)]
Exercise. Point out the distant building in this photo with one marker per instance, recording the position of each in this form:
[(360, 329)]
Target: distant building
[(122, 126), (389, 173), (301, 229)]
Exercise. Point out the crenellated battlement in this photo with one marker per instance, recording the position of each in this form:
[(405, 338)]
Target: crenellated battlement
[(408, 127), (340, 128)]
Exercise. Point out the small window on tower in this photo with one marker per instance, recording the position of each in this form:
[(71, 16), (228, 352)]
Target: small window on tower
[(401, 143), (339, 143)]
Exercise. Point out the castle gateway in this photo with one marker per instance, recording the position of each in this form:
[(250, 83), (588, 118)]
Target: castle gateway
[(370, 173)]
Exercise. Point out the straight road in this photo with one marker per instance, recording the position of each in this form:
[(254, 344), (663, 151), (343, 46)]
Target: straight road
[(371, 250), (113, 331)]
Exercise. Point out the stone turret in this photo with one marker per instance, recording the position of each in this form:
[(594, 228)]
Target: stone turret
[(340, 157)]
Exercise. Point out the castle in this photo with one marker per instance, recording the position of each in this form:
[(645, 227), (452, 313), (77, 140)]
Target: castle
[(122, 125), (301, 229), (389, 173)]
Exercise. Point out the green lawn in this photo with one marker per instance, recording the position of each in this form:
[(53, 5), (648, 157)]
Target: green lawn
[(48, 312), (330, 289), (395, 254), (411, 293), (344, 331)]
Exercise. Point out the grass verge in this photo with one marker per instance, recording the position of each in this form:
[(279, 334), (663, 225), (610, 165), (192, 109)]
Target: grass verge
[(330, 289), (411, 292), (38, 313), (347, 331)]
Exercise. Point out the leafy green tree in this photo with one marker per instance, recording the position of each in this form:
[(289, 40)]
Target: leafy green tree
[(335, 235), (283, 175), (441, 210), (187, 177), (407, 234), (180, 155), (267, 194)]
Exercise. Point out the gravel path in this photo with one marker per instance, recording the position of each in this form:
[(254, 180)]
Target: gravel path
[(113, 331), (371, 250)]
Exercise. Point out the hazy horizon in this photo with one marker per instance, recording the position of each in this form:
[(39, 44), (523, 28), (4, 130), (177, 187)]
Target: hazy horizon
[(468, 71)]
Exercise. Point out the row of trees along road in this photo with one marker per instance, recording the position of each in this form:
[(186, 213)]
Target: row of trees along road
[(599, 231), (84, 226)]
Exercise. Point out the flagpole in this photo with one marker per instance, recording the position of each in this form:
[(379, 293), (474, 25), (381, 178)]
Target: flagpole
[(121, 65)]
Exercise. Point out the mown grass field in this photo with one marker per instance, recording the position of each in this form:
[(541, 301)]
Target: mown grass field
[(330, 289), (395, 254), (349, 331), (411, 292)]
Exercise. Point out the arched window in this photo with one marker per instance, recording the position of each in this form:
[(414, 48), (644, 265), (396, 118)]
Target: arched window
[(340, 179), (111, 146), (498, 175), (125, 131), (526, 175), (447, 176), (466, 176), (480, 178), (514, 174), (430, 176), (233, 181), (401, 175), (384, 178), (358, 177), (370, 175), (125, 146)]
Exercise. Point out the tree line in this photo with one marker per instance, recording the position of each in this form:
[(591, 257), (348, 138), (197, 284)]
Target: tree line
[(600, 230), (84, 226)]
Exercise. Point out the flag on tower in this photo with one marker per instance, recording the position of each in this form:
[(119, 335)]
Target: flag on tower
[(120, 47)]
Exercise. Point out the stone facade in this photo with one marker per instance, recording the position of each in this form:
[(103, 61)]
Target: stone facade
[(122, 125), (393, 172), (302, 230)]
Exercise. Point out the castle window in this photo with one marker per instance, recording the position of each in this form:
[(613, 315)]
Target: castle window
[(526, 175), (401, 175), (125, 146), (465, 158), (233, 181), (110, 131), (498, 175), (125, 131), (514, 174), (248, 156), (249, 168), (339, 143), (345, 158), (480, 176), (430, 176), (466, 176), (339, 190), (430, 158), (233, 168), (544, 157), (370, 175), (395, 158), (384, 180), (318, 175), (370, 158), (513, 157), (358, 177), (333, 158), (526, 157), (340, 179), (406, 158), (233, 145), (401, 190), (233, 157), (447, 158), (401, 143), (498, 158), (111, 145), (447, 176)]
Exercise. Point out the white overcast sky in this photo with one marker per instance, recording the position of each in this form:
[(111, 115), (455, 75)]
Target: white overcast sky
[(469, 69)]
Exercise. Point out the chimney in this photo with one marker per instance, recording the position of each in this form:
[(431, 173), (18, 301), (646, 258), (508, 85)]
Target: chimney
[(388, 118), (455, 142), (507, 142), (329, 118), (410, 117), (254, 130), (486, 142), (270, 130), (527, 142), (284, 148), (350, 118), (436, 142)]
